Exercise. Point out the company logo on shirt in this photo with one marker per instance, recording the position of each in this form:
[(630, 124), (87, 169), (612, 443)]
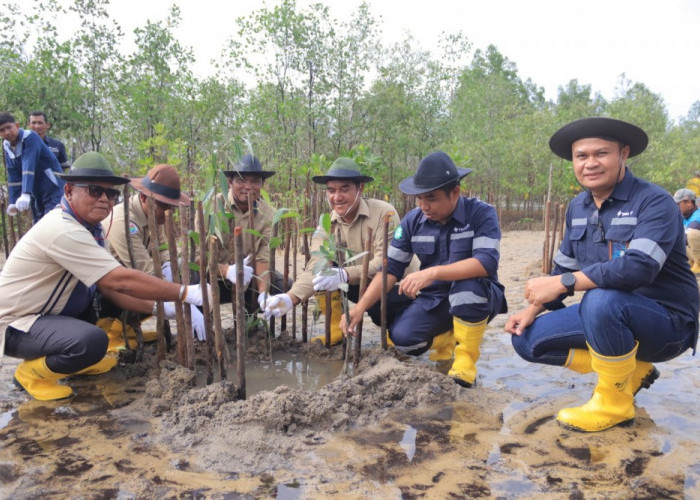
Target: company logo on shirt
[(620, 213), (398, 234), (461, 229), (133, 228)]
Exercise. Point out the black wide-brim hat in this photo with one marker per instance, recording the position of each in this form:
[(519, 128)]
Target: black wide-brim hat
[(600, 127), (250, 165), (434, 171), (343, 168), (92, 166)]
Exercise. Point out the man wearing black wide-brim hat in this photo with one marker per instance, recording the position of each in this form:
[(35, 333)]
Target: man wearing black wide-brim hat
[(456, 292), (49, 285), (625, 248)]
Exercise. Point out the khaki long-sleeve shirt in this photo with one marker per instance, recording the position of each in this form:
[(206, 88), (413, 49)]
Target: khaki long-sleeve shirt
[(370, 214)]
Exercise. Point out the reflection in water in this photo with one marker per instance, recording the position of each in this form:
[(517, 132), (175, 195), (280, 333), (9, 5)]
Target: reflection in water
[(6, 417), (408, 442), (293, 370)]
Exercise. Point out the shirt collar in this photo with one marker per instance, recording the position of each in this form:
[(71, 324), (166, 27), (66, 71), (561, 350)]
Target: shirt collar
[(459, 214), (622, 191)]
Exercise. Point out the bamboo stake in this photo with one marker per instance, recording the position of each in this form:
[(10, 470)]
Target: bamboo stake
[(132, 263), (205, 306), (253, 252), (550, 257), (545, 250), (186, 224), (385, 263), (562, 215), (175, 268), (305, 303), (363, 287), (218, 330), (155, 255), (240, 309), (267, 287), (285, 270), (4, 228), (295, 243)]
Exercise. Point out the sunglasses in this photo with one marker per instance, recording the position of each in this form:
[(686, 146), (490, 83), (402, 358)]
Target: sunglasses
[(97, 191)]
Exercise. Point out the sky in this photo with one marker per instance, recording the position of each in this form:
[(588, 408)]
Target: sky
[(551, 41)]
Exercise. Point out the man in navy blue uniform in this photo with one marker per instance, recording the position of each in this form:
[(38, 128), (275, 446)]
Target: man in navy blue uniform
[(40, 124), (625, 248), (456, 291), (31, 170)]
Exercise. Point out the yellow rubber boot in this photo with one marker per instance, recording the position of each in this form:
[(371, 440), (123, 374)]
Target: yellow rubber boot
[(443, 347), (644, 375), (336, 313), (579, 360), (467, 351), (613, 399), (103, 366), (40, 382), (114, 329)]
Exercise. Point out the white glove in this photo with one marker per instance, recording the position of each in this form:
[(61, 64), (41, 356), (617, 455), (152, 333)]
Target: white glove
[(194, 295), (198, 330), (330, 280), (12, 210), (262, 298), (23, 202), (247, 272), (167, 271), (169, 310), (278, 305)]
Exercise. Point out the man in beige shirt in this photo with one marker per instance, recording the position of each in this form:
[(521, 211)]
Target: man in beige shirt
[(49, 286), (353, 214), (245, 182), (163, 184)]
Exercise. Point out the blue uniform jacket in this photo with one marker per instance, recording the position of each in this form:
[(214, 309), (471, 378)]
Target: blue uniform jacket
[(30, 158), (635, 243), (58, 149), (472, 231)]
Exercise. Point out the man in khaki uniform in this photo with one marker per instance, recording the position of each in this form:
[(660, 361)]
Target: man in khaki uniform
[(245, 182), (49, 286), (353, 214), (163, 184)]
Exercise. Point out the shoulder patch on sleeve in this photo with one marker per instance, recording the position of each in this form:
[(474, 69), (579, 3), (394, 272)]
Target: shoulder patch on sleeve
[(133, 228), (398, 234)]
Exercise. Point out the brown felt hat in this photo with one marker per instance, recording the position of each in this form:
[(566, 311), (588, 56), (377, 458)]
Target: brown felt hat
[(163, 183)]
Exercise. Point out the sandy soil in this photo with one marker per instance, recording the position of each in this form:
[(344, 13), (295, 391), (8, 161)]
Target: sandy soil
[(398, 428)]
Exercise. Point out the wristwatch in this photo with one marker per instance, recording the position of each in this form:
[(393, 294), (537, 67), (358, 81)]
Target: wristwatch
[(569, 281)]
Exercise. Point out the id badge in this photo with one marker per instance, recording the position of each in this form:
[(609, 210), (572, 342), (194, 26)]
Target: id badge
[(616, 249)]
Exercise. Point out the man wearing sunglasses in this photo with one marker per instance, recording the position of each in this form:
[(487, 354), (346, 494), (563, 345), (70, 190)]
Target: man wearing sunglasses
[(49, 286), (624, 247), (31, 170), (162, 182)]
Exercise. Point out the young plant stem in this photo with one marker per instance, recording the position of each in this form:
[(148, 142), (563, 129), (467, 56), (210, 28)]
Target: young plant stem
[(155, 255), (175, 268), (385, 263), (240, 313), (203, 266)]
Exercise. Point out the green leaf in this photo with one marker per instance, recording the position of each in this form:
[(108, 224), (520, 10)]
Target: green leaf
[(356, 257), (194, 236), (275, 241), (163, 246), (324, 221), (193, 266), (254, 232)]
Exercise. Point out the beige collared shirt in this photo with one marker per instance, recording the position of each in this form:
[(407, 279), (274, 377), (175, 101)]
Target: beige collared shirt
[(44, 268), (370, 214), (140, 235)]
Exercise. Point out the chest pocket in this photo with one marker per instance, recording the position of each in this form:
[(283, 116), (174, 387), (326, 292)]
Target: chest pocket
[(423, 246), (576, 233), (461, 245), (621, 229)]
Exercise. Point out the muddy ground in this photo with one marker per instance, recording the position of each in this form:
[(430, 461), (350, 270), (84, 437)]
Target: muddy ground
[(398, 428)]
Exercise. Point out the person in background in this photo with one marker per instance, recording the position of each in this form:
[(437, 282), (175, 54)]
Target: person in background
[(31, 170), (59, 276), (40, 124), (624, 247), (686, 199)]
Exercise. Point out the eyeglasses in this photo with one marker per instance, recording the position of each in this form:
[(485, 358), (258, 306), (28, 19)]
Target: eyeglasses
[(97, 191), (252, 181), (598, 230)]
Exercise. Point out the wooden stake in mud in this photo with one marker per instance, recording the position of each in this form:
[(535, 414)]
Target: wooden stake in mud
[(253, 253), (175, 269), (552, 243), (136, 325), (269, 279), (155, 255), (385, 263), (363, 287), (4, 227), (187, 338), (546, 269), (206, 307), (295, 248), (218, 330), (305, 303), (240, 314), (285, 270)]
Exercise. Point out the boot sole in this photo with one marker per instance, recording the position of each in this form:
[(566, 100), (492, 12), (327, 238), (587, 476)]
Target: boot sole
[(648, 380), (624, 423), (463, 383)]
